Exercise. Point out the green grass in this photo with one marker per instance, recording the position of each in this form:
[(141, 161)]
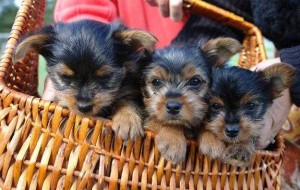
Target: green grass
[(42, 74)]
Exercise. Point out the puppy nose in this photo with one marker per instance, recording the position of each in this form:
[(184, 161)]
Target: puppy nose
[(232, 130), (173, 107), (84, 107)]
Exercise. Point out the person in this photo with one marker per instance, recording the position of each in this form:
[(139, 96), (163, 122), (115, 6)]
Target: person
[(152, 15)]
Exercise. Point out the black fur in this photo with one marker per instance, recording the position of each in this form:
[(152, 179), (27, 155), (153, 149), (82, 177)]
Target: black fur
[(85, 47), (232, 84), (174, 58)]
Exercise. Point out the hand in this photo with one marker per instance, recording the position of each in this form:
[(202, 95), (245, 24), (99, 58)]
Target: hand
[(49, 92), (169, 8), (276, 114)]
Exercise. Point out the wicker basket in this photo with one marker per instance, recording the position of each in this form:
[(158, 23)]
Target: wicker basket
[(45, 147)]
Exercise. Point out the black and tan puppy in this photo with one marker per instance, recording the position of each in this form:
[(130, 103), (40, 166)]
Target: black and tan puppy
[(238, 102), (176, 83), (93, 68)]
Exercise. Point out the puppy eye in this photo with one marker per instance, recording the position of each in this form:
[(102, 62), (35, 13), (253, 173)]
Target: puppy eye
[(216, 106), (250, 106), (156, 82), (194, 81)]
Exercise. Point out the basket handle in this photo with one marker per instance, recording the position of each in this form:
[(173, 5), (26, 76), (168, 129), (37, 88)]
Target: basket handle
[(228, 18)]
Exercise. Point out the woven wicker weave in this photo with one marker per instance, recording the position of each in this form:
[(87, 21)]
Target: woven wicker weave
[(45, 147)]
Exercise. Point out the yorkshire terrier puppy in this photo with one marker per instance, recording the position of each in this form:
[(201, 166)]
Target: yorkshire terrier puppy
[(176, 83), (93, 68), (238, 101)]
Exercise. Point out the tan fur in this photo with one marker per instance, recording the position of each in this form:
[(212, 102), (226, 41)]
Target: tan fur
[(62, 69), (153, 125), (217, 125), (249, 129), (170, 141), (193, 108), (159, 73), (31, 43), (221, 49), (103, 71), (211, 145), (137, 39), (102, 99), (239, 154), (127, 121), (247, 98), (190, 70), (280, 76), (67, 98)]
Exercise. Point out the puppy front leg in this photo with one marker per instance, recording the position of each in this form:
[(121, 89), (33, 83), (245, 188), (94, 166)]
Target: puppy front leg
[(127, 120), (170, 140), (211, 145), (239, 154)]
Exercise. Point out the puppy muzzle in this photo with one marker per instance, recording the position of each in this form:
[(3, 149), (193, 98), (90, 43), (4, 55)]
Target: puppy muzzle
[(84, 107), (232, 130)]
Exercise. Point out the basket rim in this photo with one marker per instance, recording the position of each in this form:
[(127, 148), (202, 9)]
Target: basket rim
[(53, 106)]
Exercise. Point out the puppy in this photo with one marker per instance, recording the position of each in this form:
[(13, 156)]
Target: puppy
[(93, 68), (176, 83), (238, 102)]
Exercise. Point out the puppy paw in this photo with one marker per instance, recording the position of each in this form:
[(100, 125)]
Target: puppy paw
[(127, 125), (210, 145), (171, 146), (237, 155), (153, 126)]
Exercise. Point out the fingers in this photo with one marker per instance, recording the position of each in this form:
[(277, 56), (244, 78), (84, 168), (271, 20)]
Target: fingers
[(152, 2), (169, 8), (164, 7), (176, 12), (264, 64)]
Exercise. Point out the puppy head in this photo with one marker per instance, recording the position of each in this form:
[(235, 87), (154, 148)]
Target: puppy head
[(240, 98), (175, 84), (87, 60)]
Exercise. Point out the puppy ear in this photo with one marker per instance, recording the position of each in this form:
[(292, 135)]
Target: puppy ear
[(279, 77), (36, 41), (219, 50), (131, 46), (136, 39)]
